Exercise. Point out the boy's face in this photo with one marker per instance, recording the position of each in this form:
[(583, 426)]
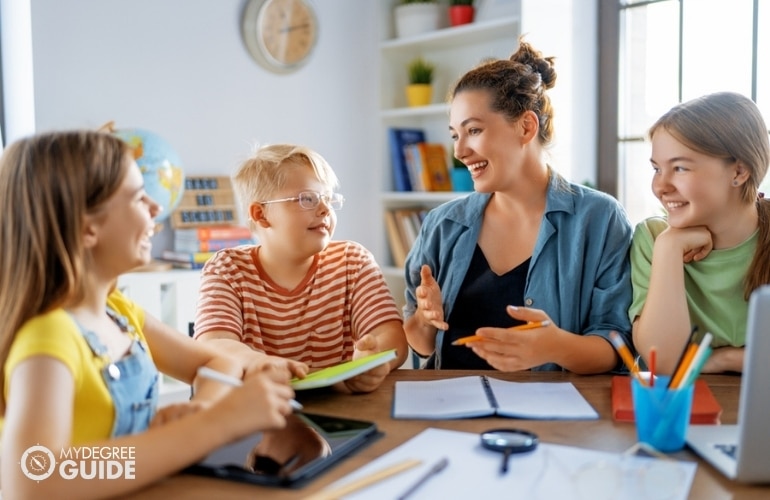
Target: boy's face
[(291, 228)]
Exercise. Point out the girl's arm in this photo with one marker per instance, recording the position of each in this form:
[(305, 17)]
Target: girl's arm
[(179, 356), (665, 319), (39, 412)]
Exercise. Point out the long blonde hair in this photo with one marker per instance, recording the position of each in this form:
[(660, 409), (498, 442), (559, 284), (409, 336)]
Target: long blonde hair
[(48, 183)]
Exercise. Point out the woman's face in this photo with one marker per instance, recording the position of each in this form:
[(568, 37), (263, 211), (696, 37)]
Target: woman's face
[(694, 188), (124, 226), (485, 141)]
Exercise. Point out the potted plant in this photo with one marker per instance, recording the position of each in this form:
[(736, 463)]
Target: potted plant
[(460, 12), (419, 92), (413, 17)]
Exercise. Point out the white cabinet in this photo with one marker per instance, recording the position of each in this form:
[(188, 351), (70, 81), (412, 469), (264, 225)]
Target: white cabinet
[(172, 297), (453, 51)]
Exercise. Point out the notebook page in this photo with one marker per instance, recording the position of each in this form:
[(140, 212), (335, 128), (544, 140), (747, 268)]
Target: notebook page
[(540, 400), (460, 397)]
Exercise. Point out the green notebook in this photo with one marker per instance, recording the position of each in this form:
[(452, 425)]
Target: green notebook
[(329, 376)]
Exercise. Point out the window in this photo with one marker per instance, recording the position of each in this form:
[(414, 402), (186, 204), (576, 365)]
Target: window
[(670, 51)]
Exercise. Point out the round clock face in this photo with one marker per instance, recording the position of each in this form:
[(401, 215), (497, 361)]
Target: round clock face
[(280, 34)]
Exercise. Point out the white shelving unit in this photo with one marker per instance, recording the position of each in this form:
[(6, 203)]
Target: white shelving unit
[(453, 51), (172, 297)]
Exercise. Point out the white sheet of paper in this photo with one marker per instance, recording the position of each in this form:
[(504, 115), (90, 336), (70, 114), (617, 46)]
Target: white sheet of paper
[(551, 471)]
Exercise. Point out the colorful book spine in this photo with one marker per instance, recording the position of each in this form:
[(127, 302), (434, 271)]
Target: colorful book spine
[(182, 245), (398, 139), (213, 233)]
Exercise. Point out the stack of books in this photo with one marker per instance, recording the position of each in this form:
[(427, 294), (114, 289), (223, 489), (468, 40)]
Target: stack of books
[(195, 245), (205, 221)]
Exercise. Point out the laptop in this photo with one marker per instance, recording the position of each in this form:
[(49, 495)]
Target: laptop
[(742, 451)]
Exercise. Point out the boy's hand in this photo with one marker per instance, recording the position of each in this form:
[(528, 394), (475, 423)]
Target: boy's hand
[(369, 380)]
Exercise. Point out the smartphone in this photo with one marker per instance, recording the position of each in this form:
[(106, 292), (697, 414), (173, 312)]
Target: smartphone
[(309, 445)]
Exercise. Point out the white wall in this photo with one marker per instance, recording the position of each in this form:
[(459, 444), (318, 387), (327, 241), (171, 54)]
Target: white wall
[(179, 68)]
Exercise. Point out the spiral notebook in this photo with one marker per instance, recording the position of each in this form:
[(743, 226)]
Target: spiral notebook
[(482, 396)]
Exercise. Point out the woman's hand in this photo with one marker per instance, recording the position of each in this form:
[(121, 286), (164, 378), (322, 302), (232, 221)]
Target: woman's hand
[(512, 349), (430, 309)]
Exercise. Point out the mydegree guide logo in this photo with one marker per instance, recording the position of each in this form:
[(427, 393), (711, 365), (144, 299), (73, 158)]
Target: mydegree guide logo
[(98, 462)]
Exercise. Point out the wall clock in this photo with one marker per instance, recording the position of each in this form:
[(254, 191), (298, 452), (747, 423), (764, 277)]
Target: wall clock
[(280, 34)]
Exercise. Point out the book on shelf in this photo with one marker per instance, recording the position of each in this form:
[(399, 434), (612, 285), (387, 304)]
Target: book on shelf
[(398, 248), (428, 167), (188, 260), (705, 407), (213, 232), (482, 396), (190, 245), (398, 138)]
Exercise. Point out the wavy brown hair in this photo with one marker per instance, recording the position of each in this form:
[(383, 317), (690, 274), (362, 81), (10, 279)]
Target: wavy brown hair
[(729, 126), (48, 183), (516, 85)]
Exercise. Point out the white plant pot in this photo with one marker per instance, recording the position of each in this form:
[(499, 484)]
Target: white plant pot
[(416, 18)]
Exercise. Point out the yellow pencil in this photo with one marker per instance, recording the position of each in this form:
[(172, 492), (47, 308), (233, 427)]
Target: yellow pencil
[(364, 482), (525, 326), (625, 355)]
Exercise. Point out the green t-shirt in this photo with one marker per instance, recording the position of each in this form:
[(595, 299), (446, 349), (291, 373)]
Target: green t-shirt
[(714, 286)]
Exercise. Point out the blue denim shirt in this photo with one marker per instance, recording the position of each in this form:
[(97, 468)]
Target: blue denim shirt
[(579, 274)]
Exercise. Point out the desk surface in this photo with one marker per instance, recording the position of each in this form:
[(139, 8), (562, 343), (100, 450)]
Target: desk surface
[(603, 434)]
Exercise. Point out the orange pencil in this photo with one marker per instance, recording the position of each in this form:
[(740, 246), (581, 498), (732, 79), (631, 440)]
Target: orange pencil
[(676, 378), (653, 356), (525, 326)]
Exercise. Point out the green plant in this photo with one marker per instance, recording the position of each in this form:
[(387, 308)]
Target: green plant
[(461, 2), (420, 71)]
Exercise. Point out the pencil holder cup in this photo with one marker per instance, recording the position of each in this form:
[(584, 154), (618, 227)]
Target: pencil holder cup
[(661, 414)]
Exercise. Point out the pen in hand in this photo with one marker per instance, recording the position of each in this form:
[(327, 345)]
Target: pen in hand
[(206, 372), (435, 469), (525, 326)]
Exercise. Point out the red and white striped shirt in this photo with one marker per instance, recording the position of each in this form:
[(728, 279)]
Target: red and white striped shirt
[(342, 297)]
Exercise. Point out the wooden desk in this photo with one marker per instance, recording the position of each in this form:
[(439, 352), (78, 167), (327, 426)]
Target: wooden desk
[(602, 434)]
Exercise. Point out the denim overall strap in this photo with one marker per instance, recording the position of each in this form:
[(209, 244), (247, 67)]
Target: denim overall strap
[(132, 381)]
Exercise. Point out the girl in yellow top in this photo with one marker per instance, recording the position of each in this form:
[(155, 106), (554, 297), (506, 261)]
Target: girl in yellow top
[(77, 369)]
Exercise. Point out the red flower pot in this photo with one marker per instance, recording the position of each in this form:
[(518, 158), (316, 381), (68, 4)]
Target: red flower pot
[(460, 14)]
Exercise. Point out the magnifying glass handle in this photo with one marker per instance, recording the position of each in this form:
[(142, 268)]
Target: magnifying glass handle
[(504, 465)]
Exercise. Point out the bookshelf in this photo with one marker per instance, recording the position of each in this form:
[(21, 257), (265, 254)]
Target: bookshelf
[(453, 51)]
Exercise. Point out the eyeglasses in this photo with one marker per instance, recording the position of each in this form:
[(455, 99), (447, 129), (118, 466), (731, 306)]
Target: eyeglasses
[(310, 200)]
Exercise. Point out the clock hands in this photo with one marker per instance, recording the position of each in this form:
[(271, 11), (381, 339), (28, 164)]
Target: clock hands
[(287, 29)]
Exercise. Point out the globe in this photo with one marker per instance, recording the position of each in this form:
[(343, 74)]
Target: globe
[(160, 166)]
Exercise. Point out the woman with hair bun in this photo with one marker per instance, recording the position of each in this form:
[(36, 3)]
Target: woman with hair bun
[(527, 247)]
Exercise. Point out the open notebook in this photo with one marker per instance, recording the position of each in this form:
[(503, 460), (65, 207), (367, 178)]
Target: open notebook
[(480, 396), (741, 451)]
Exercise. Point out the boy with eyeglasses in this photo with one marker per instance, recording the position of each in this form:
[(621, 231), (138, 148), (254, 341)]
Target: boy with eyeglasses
[(298, 294)]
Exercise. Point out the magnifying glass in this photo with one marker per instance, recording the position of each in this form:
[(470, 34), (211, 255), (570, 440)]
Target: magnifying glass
[(508, 441)]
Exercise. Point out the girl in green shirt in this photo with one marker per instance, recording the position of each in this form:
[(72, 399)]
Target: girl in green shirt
[(698, 266)]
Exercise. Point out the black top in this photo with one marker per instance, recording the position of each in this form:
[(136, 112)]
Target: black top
[(481, 302)]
